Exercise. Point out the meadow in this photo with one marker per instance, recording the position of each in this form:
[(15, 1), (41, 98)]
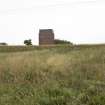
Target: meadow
[(57, 75)]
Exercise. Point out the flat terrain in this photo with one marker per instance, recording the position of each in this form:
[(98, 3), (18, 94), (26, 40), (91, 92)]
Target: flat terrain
[(60, 75)]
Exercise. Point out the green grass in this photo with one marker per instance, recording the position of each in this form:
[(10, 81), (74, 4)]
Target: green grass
[(60, 75)]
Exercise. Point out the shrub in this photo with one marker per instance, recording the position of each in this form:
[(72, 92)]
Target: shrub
[(58, 41), (28, 42)]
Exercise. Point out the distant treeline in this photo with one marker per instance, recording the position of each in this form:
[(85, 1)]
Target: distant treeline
[(3, 44), (58, 41)]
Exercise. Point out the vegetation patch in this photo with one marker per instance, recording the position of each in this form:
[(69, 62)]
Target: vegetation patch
[(57, 75)]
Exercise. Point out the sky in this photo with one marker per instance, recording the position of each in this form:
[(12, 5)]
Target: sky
[(78, 21)]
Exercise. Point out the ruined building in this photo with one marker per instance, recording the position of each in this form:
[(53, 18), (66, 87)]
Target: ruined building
[(46, 37)]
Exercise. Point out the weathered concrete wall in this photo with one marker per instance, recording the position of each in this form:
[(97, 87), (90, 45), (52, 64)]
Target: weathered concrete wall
[(46, 37)]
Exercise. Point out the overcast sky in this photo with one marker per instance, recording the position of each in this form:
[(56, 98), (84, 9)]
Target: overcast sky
[(79, 21)]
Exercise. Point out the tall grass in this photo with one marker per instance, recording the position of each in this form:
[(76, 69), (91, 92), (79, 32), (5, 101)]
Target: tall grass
[(53, 76)]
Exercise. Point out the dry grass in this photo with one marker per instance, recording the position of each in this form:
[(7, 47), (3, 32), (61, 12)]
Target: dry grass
[(53, 76)]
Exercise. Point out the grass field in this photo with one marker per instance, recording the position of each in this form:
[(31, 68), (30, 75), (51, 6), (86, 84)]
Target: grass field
[(60, 75)]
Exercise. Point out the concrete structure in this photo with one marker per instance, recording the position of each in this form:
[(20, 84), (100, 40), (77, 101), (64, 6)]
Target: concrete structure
[(46, 37)]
